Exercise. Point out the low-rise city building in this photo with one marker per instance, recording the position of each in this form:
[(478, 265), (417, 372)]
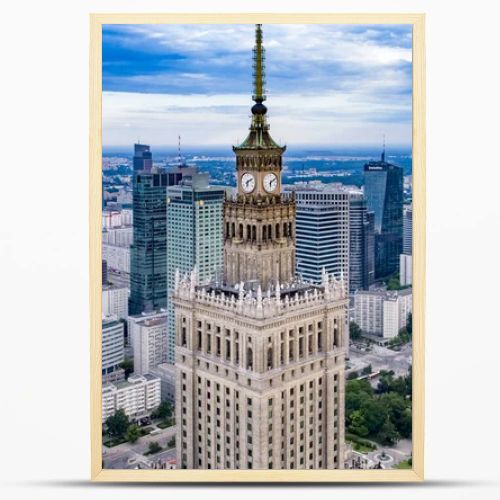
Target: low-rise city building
[(382, 313), (118, 236), (148, 337), (115, 301), (137, 397), (113, 348), (117, 257)]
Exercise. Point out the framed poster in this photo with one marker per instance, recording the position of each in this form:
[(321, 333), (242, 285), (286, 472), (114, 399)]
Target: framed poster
[(257, 293)]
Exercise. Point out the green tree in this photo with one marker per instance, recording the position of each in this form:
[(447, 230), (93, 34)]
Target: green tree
[(385, 381), (171, 443), (163, 411), (154, 447), (399, 412), (367, 370), (128, 365), (354, 331), (393, 283), (357, 424), (375, 414), (117, 424), (388, 433), (409, 324), (133, 433), (352, 375)]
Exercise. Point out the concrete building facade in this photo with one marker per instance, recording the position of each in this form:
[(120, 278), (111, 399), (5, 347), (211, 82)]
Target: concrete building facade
[(405, 270), (115, 301), (117, 257), (113, 348), (137, 397), (382, 313), (148, 337)]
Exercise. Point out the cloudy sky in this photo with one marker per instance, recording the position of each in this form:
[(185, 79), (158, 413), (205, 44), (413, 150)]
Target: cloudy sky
[(327, 85)]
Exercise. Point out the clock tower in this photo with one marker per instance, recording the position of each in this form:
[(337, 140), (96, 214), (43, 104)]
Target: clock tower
[(259, 221)]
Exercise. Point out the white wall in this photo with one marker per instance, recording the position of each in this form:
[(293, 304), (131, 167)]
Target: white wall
[(45, 99)]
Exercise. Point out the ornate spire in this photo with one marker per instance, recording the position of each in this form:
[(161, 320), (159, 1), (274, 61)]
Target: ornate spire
[(258, 66), (259, 137), (258, 109)]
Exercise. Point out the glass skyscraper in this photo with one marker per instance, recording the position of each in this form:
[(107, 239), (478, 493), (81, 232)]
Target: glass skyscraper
[(194, 236), (148, 253), (361, 243), (322, 231), (143, 159), (384, 195)]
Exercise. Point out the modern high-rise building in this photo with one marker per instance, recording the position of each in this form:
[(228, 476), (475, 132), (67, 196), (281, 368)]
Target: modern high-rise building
[(148, 337), (384, 195), (113, 348), (194, 235), (259, 354), (143, 158), (361, 243), (407, 229), (148, 253), (322, 230)]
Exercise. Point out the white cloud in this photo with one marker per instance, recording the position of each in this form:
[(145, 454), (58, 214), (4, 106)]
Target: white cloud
[(330, 119)]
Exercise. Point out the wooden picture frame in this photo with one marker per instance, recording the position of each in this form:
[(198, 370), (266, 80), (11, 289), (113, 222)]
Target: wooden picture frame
[(419, 249)]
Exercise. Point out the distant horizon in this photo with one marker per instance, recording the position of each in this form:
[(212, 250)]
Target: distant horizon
[(397, 149)]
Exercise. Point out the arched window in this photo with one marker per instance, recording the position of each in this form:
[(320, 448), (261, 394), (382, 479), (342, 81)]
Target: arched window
[(254, 233), (241, 231), (264, 233), (227, 229), (290, 229), (249, 232), (277, 230), (233, 231)]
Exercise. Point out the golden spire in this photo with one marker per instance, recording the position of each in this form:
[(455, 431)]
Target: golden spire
[(258, 66), (258, 109)]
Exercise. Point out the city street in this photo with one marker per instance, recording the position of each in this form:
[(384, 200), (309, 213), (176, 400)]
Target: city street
[(381, 358), (118, 456)]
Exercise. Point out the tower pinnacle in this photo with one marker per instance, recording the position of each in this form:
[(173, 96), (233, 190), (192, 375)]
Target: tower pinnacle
[(258, 109)]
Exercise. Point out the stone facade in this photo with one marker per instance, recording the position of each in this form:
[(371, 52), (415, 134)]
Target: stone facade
[(259, 239), (259, 354), (260, 378)]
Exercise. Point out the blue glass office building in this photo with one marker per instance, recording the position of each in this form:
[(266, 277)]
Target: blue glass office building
[(148, 253), (384, 196)]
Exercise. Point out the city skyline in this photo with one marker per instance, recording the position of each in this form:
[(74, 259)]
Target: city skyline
[(339, 86), (272, 358)]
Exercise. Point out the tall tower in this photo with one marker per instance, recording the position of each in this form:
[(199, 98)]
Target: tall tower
[(148, 253), (259, 221), (259, 354), (384, 195)]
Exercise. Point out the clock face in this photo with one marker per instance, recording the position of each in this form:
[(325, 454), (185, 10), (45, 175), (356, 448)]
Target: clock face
[(270, 183), (247, 182)]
